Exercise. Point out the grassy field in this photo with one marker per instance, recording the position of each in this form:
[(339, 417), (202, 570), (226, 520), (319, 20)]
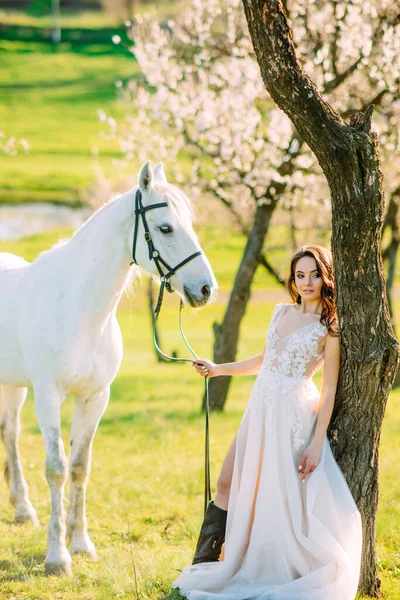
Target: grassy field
[(145, 492), (52, 100)]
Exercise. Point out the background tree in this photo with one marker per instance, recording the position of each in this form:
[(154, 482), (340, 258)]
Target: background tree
[(349, 158), (205, 101)]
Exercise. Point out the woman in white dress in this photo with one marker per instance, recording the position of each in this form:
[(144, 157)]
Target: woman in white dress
[(291, 528)]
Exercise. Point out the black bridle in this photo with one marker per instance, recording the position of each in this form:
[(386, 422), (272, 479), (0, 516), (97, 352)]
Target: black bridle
[(154, 254), (165, 282)]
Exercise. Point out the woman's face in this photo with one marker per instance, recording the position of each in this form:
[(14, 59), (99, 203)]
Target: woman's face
[(307, 279)]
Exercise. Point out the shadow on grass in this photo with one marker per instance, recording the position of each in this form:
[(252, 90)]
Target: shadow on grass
[(7, 522), (23, 568)]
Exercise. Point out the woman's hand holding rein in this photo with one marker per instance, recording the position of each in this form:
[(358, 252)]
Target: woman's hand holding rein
[(207, 368)]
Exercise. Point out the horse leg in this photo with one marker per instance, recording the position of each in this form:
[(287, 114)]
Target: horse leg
[(86, 419), (47, 405), (11, 401)]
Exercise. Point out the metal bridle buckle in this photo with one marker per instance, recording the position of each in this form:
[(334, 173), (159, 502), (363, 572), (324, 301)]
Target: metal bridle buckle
[(165, 280), (147, 236)]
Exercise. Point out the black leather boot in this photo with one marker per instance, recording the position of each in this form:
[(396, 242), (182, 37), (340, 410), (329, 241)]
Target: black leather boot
[(212, 535)]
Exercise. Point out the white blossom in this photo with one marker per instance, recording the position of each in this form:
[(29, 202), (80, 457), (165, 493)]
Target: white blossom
[(11, 145), (201, 99)]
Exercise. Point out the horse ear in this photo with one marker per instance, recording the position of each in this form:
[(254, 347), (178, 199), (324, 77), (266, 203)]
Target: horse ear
[(146, 177), (159, 173)]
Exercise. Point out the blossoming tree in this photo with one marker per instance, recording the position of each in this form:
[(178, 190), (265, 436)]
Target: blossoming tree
[(201, 96)]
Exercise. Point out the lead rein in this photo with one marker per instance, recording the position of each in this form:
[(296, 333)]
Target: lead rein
[(207, 477)]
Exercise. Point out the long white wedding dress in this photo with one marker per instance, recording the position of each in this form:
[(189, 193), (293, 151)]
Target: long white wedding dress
[(285, 539)]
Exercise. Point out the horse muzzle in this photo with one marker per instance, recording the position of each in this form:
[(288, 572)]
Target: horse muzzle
[(199, 298)]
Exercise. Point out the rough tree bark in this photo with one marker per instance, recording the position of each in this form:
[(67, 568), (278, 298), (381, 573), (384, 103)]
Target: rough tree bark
[(349, 157)]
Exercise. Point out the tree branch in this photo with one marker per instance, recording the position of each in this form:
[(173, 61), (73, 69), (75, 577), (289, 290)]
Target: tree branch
[(288, 84), (340, 77), (263, 260)]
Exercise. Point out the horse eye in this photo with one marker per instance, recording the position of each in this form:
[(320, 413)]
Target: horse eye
[(166, 229)]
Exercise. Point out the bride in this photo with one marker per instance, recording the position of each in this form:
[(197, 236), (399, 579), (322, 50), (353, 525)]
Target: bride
[(291, 528)]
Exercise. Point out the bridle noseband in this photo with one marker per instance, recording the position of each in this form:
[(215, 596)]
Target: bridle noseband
[(154, 254)]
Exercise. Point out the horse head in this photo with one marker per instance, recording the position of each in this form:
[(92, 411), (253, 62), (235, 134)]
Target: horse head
[(170, 238)]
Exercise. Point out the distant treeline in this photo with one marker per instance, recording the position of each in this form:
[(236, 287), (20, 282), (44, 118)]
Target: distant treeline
[(68, 5), (29, 33)]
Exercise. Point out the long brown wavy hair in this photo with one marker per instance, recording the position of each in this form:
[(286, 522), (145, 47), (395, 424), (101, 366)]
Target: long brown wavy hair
[(323, 258)]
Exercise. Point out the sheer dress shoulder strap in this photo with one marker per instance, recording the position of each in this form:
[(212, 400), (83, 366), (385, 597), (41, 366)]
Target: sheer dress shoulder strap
[(278, 307), (278, 311)]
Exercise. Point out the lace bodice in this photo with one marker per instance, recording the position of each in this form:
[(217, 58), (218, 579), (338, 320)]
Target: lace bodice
[(298, 354)]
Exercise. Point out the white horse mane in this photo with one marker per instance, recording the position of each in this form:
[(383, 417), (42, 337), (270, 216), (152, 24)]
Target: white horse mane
[(61, 243), (173, 195), (177, 199)]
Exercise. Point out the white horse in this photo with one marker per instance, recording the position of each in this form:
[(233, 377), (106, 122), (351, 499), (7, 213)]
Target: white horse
[(59, 335)]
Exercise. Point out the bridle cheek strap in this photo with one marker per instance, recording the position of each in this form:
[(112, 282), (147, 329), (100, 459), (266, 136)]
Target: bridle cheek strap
[(154, 254)]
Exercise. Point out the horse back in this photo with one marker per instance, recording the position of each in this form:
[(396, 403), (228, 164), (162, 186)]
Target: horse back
[(11, 261), (12, 370)]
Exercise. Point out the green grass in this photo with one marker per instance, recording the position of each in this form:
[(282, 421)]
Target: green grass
[(52, 100), (145, 492)]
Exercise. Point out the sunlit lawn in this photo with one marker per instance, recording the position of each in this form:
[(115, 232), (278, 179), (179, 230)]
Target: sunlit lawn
[(145, 493), (51, 100)]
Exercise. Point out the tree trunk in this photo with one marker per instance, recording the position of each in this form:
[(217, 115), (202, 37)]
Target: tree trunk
[(226, 334), (368, 347), (348, 155)]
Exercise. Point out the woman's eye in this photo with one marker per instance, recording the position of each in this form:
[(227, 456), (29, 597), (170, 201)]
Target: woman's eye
[(166, 229)]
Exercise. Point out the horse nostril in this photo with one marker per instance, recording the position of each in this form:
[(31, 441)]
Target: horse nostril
[(206, 291)]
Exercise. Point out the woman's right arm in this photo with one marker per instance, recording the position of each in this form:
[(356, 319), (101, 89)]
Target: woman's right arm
[(250, 366)]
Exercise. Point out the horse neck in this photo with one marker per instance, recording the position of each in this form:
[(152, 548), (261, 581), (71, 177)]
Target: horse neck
[(101, 259)]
